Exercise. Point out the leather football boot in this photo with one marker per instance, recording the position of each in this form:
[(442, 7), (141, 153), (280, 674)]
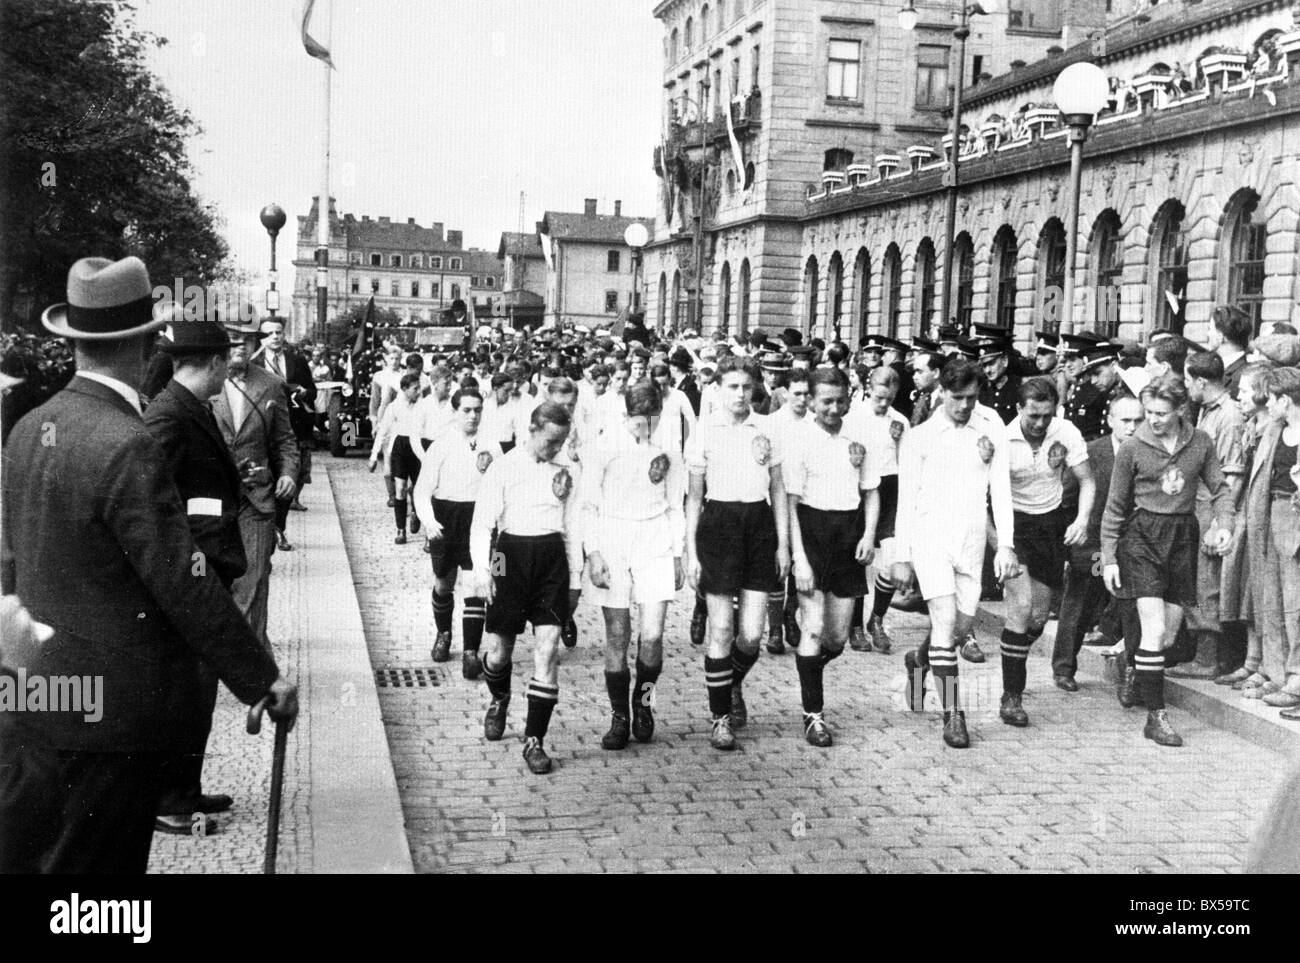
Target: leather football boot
[(954, 730), (1012, 712), (494, 722), (699, 621), (880, 640), (643, 722), (471, 667), (722, 737), (1159, 731), (539, 763), (442, 647), (619, 730), (739, 711), (815, 731), (775, 646)]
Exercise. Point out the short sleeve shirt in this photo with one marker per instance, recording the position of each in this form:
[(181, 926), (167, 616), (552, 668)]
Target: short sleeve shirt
[(735, 459), (828, 472), (1037, 477)]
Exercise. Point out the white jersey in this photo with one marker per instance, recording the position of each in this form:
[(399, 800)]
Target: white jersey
[(828, 472), (883, 434), (625, 480), (1037, 477)]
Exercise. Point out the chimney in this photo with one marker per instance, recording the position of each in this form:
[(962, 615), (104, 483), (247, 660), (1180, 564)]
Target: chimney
[(589, 207), (454, 239), (385, 221), (436, 227), (618, 208), (410, 220), (365, 217)]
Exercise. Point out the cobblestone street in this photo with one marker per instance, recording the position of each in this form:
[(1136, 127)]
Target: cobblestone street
[(1080, 790)]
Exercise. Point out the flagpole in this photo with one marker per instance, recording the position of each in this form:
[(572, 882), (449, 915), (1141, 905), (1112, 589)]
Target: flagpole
[(323, 209)]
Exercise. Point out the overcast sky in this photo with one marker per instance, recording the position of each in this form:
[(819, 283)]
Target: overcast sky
[(442, 111)]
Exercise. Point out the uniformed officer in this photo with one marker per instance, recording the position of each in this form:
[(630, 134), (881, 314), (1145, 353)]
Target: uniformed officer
[(450, 475), (831, 484), (1002, 385), (1088, 404), (534, 573), (737, 543), (1046, 358), (893, 354)]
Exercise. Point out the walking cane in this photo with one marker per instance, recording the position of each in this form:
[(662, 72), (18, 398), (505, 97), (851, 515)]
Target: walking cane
[(254, 726)]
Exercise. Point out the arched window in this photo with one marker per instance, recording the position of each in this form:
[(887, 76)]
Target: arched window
[(837, 159), (672, 46), (742, 321), (687, 35), (1168, 269), (1242, 245), (811, 292), (1051, 275), (925, 285), (1004, 278), (835, 301), (724, 298), (662, 315), (963, 294), (704, 23), (1106, 266), (891, 302), (677, 300), (749, 175), (861, 295)]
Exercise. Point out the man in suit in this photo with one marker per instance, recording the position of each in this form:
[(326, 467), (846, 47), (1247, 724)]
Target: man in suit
[(680, 363), (254, 420), (96, 544), (287, 363), (1085, 594), (180, 418)]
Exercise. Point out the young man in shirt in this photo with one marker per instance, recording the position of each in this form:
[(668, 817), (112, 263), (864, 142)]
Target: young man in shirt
[(534, 573), (1228, 338), (950, 469), (383, 387), (398, 432), (1040, 449), (831, 484), (737, 542), (633, 530), (783, 604), (450, 475)]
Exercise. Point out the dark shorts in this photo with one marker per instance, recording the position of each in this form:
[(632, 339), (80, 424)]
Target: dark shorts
[(531, 577), (1040, 546), (404, 461), (736, 545), (1157, 558), (451, 551), (830, 540), (888, 507)]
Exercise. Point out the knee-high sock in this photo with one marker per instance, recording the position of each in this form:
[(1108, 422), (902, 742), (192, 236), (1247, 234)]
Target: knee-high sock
[(741, 663), (498, 680), (859, 606), (471, 623), (442, 606), (399, 513), (617, 685), (884, 595), (791, 598), (943, 664), (717, 676), (810, 668), (1015, 652), (541, 703), (646, 677), (775, 610), (1150, 667)]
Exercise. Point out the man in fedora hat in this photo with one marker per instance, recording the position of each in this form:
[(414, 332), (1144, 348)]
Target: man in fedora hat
[(180, 418), (105, 557), (254, 419)]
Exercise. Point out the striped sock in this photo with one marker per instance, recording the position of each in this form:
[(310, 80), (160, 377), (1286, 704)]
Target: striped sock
[(498, 680), (541, 703), (943, 665), (1150, 668), (810, 668), (884, 595), (617, 685), (1015, 652), (741, 663), (471, 623), (646, 677), (717, 676), (442, 606)]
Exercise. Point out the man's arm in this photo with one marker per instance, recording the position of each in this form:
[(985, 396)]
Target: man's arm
[(487, 513), (1077, 533), (1000, 492), (284, 449), (1118, 503), (694, 502)]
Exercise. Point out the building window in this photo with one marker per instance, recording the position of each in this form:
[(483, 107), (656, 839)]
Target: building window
[(612, 261), (835, 294), (1004, 278), (354, 257), (891, 307), (931, 76), (735, 78), (415, 289), (679, 310), (837, 159), (1051, 284), (473, 281), (718, 94), (376, 260), (395, 260), (611, 301), (811, 288), (1042, 15), (925, 284), (742, 320), (862, 294), (1170, 250), (417, 261), (688, 34), (755, 59), (393, 289), (435, 290), (455, 264), (1246, 242), (491, 282), (704, 23), (842, 69), (356, 286), (663, 299), (1107, 267), (963, 254), (672, 47), (455, 291), (435, 262), (724, 298), (374, 286)]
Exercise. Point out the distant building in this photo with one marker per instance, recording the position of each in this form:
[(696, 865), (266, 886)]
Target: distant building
[(416, 271), (523, 302), (590, 268)]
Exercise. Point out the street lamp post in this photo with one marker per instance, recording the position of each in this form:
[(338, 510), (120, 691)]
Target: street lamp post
[(273, 218), (636, 237), (1080, 91), (907, 18)]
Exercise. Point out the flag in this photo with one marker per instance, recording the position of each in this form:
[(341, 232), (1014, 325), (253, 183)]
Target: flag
[(363, 332), (731, 133), (546, 249), (314, 49)]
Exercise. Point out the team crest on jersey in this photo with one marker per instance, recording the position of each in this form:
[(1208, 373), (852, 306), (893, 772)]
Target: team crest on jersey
[(857, 454), (986, 449), (658, 469), (562, 484), (1172, 481), (896, 430), (1056, 455), (484, 459), (762, 448)]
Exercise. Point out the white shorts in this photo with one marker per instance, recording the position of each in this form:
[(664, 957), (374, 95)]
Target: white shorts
[(639, 557), (942, 571)]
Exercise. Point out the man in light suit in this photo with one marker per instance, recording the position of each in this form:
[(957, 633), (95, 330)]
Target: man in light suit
[(254, 420), (96, 544)]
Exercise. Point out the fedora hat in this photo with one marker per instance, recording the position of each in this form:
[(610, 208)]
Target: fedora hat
[(107, 301), (201, 336)]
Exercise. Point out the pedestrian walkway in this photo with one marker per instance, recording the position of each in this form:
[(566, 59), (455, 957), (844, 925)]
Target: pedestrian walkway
[(341, 811)]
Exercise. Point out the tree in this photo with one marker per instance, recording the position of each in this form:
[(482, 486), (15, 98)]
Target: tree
[(94, 156)]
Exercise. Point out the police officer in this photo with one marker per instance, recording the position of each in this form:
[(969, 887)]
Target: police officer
[(1001, 389), (1088, 404)]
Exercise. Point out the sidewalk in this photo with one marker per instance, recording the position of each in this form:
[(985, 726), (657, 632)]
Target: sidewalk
[(340, 810)]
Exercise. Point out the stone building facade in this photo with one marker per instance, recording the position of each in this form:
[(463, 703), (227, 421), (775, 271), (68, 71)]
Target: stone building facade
[(590, 269)]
